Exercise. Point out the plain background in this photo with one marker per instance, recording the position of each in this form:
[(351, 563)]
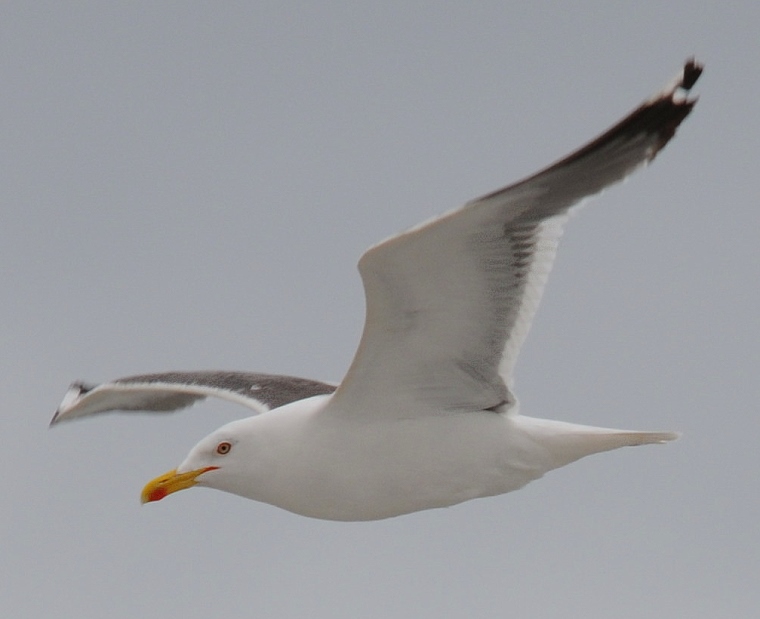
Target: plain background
[(189, 185)]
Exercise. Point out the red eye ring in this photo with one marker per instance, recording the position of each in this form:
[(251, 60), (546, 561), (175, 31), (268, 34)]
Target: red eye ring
[(223, 448)]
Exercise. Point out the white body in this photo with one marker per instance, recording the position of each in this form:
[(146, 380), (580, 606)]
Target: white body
[(367, 469)]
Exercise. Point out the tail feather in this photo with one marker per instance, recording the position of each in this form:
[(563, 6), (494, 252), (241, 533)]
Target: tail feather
[(648, 438), (584, 441), (568, 442)]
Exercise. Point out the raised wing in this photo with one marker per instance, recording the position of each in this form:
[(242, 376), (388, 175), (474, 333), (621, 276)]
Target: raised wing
[(450, 302), (171, 391)]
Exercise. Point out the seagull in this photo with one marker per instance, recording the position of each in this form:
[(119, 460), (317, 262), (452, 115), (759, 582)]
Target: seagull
[(425, 416)]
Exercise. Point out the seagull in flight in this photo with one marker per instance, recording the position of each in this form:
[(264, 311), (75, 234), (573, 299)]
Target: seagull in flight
[(426, 416)]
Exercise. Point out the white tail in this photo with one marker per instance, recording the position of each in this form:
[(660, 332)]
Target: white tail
[(567, 442)]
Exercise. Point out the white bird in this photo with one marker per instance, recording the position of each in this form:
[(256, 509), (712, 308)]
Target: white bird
[(425, 416)]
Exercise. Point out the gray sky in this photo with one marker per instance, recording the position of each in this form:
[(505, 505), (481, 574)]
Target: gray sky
[(190, 185)]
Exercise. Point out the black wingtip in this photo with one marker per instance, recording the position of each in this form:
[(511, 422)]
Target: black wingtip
[(672, 107), (691, 72), (75, 391), (655, 121), (659, 117)]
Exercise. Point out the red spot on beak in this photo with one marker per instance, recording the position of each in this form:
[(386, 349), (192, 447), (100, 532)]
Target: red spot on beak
[(158, 494)]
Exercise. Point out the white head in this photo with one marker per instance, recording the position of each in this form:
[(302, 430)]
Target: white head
[(221, 460)]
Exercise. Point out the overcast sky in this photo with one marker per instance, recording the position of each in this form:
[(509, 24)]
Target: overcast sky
[(189, 186)]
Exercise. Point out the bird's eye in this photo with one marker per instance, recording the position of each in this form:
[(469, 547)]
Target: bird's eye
[(223, 448)]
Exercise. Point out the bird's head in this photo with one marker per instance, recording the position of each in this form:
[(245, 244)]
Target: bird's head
[(212, 462)]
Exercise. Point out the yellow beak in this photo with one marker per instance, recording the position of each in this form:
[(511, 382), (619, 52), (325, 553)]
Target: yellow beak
[(172, 481)]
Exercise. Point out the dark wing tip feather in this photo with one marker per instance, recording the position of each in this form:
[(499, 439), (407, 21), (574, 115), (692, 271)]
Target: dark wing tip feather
[(691, 72), (670, 109), (654, 122), (660, 116), (76, 389)]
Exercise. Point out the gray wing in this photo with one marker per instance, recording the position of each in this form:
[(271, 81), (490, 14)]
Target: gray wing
[(450, 302), (171, 391)]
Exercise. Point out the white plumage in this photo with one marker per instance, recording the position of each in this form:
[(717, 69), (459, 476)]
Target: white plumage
[(425, 416)]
